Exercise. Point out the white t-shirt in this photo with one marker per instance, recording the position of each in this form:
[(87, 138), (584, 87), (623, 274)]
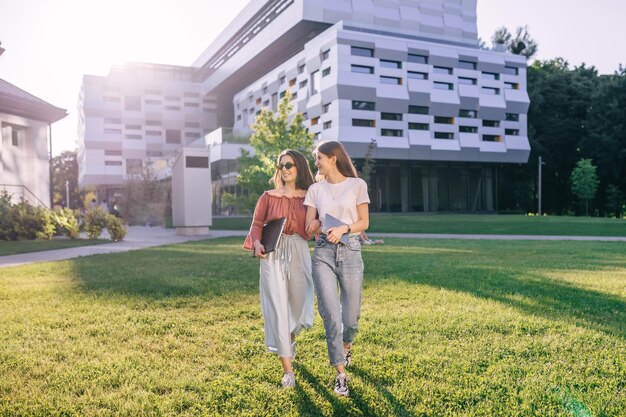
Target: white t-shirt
[(338, 200)]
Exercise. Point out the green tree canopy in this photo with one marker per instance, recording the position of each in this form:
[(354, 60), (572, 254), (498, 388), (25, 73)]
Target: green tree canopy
[(584, 181), (519, 43), (65, 168)]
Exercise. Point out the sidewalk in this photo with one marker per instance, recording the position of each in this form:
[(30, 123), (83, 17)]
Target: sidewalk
[(140, 237)]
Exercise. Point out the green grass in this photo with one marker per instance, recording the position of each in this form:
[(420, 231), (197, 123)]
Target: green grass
[(25, 246), (472, 224), (448, 328)]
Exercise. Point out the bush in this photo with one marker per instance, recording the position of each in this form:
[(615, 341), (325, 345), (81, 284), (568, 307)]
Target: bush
[(67, 222), (95, 219), (117, 229), (47, 224), (6, 227)]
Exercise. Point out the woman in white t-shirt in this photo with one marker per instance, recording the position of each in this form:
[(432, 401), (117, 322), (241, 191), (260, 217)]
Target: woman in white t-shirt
[(337, 206)]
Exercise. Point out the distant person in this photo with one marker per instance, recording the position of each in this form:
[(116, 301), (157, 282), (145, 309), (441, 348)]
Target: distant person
[(286, 285), (338, 266), (105, 205), (93, 204), (366, 240)]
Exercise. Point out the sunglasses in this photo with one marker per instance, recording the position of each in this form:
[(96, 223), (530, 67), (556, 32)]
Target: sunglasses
[(288, 165)]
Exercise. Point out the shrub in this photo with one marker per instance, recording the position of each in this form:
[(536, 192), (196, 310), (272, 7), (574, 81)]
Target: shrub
[(67, 222), (46, 223), (95, 219), (30, 222), (6, 226), (115, 226)]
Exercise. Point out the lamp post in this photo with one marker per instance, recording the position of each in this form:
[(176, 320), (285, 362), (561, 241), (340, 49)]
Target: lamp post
[(67, 194), (540, 163)]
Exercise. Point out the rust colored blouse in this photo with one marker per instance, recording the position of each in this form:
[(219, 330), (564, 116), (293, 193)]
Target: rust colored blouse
[(270, 207)]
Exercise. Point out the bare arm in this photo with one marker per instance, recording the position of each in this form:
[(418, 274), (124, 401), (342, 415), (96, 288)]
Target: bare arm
[(362, 223), (311, 222)]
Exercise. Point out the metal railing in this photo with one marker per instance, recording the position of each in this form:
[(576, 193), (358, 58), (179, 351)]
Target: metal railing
[(23, 192)]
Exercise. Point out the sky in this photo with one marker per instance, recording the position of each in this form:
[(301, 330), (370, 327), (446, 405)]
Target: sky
[(51, 44)]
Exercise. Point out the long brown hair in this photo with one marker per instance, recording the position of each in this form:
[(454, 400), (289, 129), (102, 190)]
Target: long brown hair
[(336, 149), (305, 177)]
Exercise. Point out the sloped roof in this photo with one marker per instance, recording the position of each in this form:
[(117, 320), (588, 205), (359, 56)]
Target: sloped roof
[(14, 100)]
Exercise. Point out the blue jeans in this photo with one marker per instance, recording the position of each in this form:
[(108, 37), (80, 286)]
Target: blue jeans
[(338, 265)]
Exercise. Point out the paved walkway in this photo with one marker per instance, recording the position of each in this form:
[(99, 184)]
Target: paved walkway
[(140, 237)]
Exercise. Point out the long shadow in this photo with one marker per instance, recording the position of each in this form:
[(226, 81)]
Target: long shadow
[(210, 268), (512, 286), (306, 407), (399, 409)]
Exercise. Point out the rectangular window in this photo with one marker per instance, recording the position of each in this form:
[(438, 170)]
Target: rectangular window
[(133, 127), (113, 163), (15, 137), (111, 99), (133, 166), (153, 122), (471, 114), (153, 102), (292, 82), (442, 70), (386, 63), (281, 80), (444, 120), (468, 129), (172, 108), (192, 134), (266, 103), (110, 152), (190, 94), (417, 75), (303, 83), (362, 69), (512, 117), (467, 65), (172, 136), (325, 72), (113, 131), (511, 132), (491, 123), (153, 91), (418, 59), (315, 121), (133, 137), (390, 80), (132, 103), (491, 76), (328, 124), (154, 133), (192, 124), (391, 116), (391, 132), (264, 90), (326, 108), (282, 94), (363, 123), (444, 135), (196, 162), (300, 69), (325, 55), (418, 109), (258, 100), (112, 121), (274, 99), (491, 138), (443, 86), (315, 82), (511, 86), (363, 105), (418, 126), (511, 70), (358, 51), (490, 90), (172, 98), (467, 80)]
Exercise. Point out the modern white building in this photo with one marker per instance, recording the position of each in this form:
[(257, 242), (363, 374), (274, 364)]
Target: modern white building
[(138, 113), (405, 81), (26, 122)]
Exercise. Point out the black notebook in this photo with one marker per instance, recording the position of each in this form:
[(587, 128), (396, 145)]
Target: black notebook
[(270, 235), (330, 221)]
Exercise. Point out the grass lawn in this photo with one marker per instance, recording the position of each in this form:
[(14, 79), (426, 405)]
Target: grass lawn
[(24, 246), (448, 328), (472, 224)]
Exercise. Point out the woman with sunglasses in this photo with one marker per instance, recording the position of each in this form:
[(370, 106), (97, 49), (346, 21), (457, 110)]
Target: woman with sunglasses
[(342, 195), (286, 285)]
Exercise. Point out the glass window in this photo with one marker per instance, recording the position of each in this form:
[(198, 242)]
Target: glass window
[(303, 83), (417, 75), (390, 80), (418, 126), (467, 65), (362, 69), (363, 105), (328, 124), (325, 54), (132, 103), (491, 138), (490, 90), (512, 117), (359, 51), (172, 136), (444, 135), (326, 108), (315, 82), (315, 121), (386, 63), (418, 59), (511, 132), (363, 123), (391, 132), (491, 123), (490, 75), (443, 86), (467, 80), (110, 152), (442, 70), (511, 86), (444, 120), (113, 163), (468, 129), (472, 114), (391, 116), (301, 69), (418, 109), (511, 70), (325, 72)]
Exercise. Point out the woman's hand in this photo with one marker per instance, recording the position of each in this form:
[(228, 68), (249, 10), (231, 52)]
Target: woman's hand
[(259, 249), (333, 234), (313, 228)]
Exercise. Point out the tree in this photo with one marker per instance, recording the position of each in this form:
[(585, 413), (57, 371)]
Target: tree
[(519, 44), (273, 132), (145, 199), (615, 200), (584, 181), (65, 168)]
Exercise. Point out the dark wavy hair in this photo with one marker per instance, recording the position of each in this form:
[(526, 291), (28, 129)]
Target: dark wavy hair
[(305, 177), (344, 164)]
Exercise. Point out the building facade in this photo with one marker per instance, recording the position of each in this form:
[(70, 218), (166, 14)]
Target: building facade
[(403, 84), (25, 122), (137, 114)]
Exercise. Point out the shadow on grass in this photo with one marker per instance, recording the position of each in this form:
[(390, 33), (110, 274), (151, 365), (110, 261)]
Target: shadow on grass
[(516, 285), (306, 406), (398, 408), (210, 268)]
